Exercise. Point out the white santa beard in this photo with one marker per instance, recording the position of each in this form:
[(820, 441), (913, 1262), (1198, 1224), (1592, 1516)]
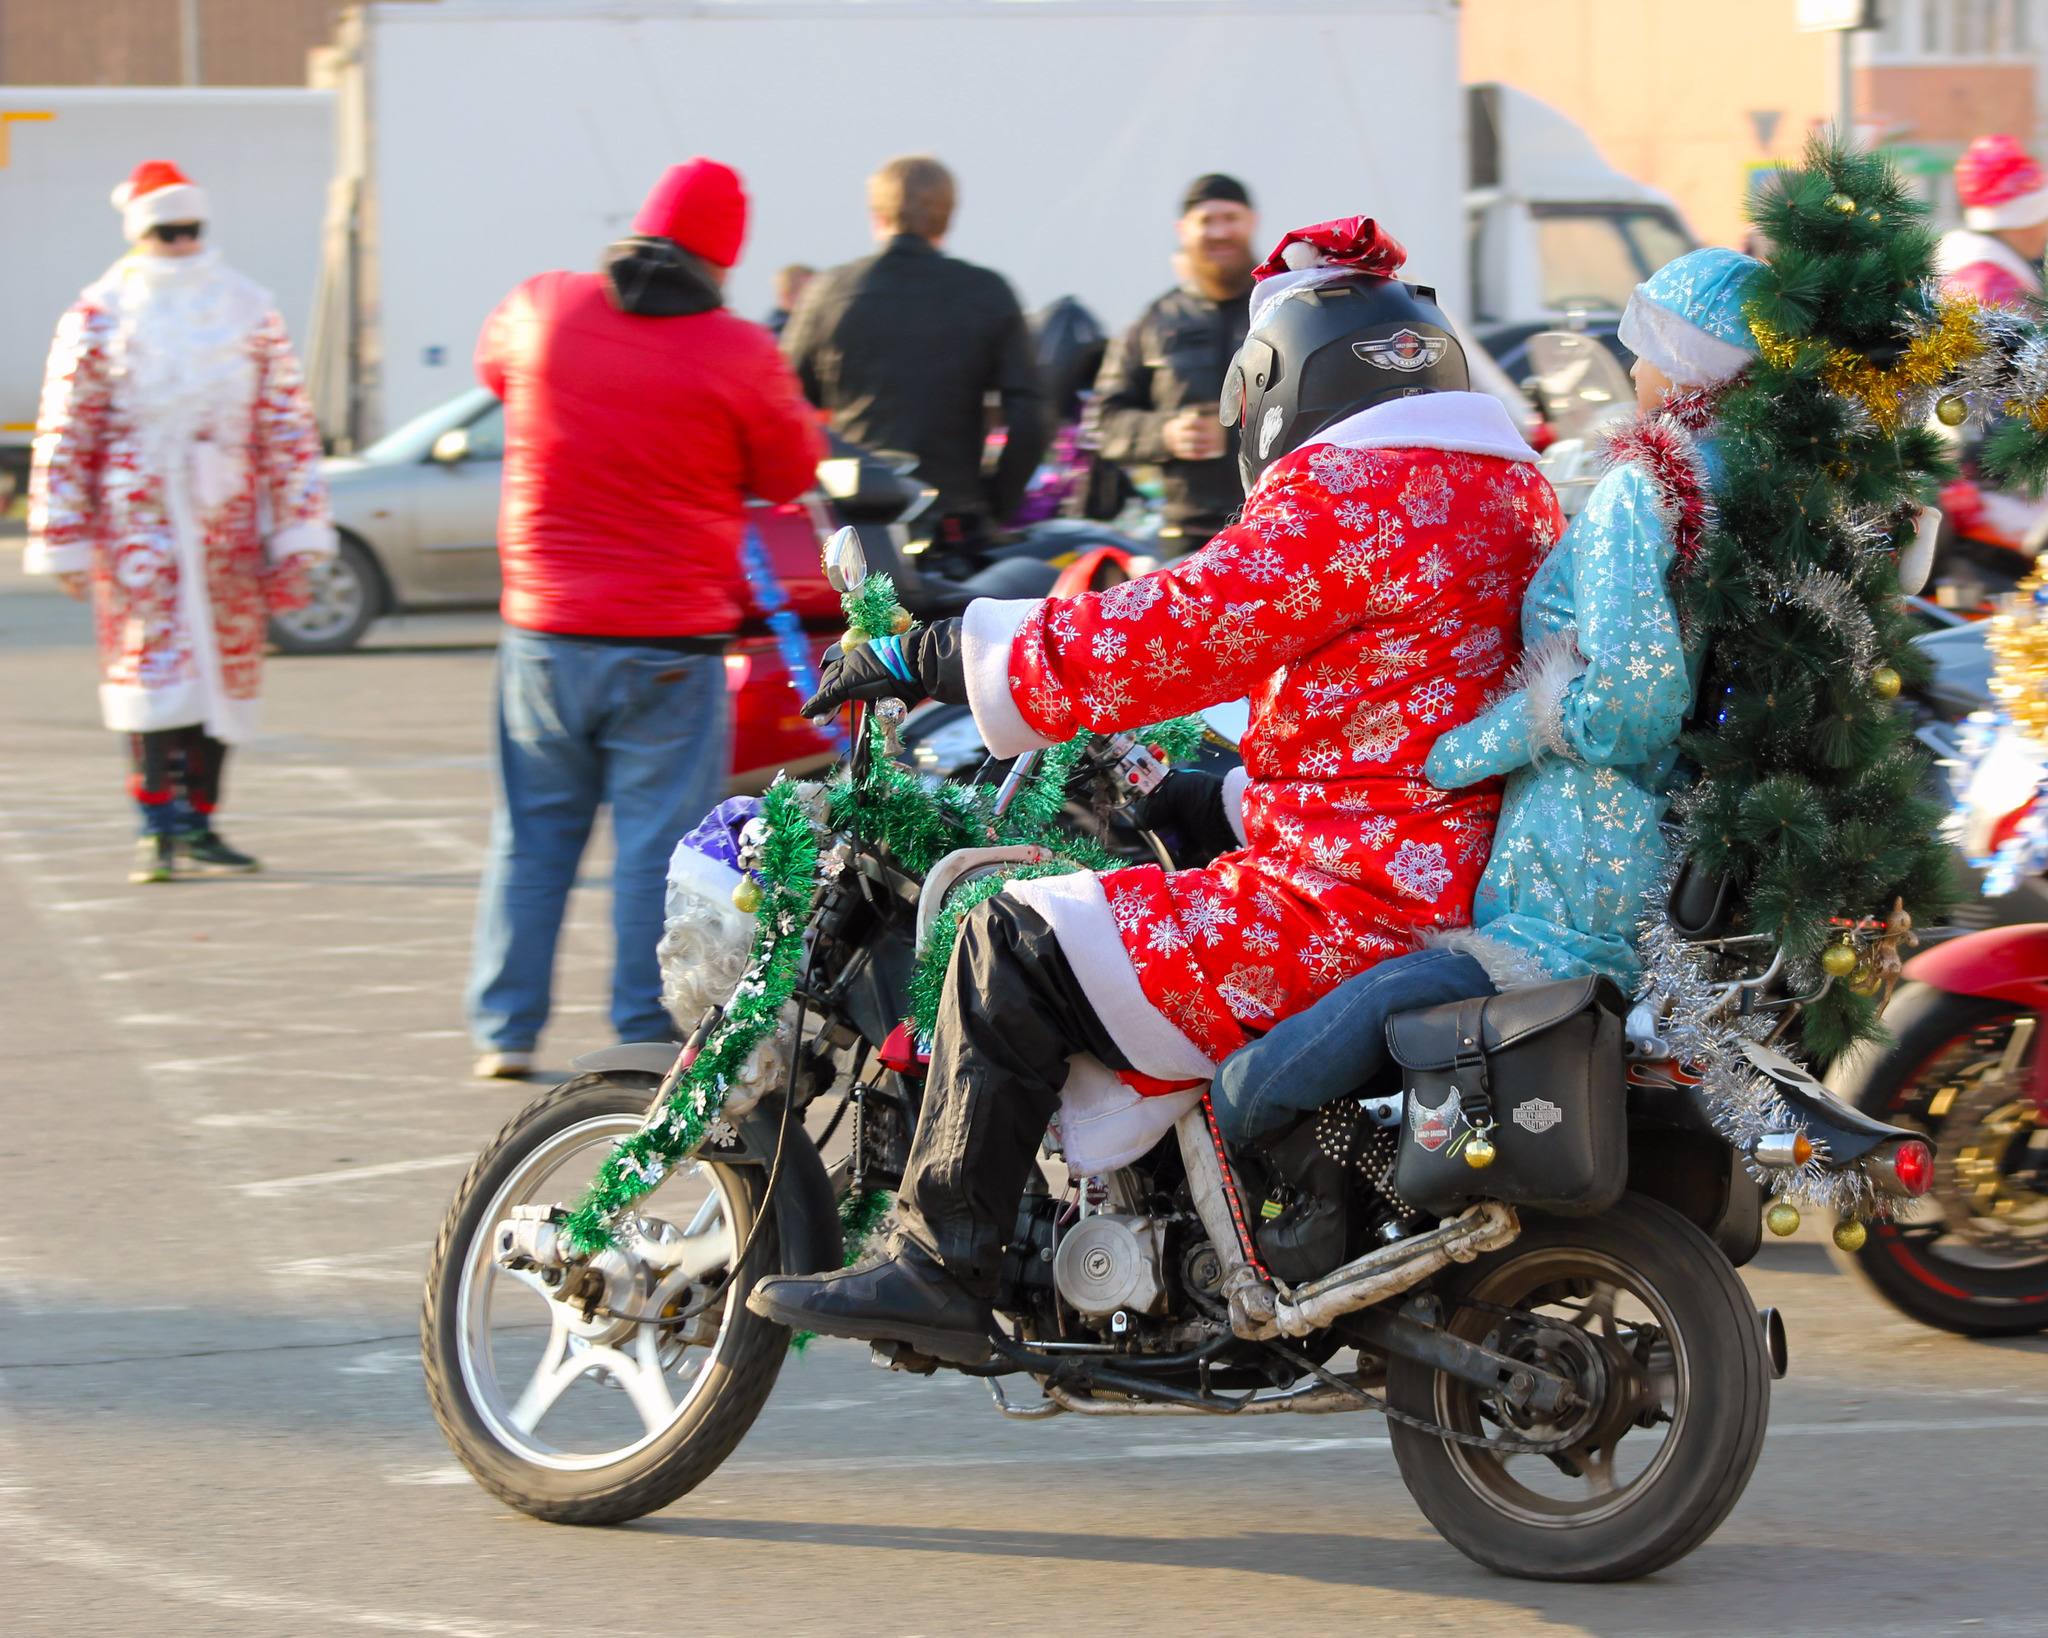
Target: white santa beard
[(181, 361)]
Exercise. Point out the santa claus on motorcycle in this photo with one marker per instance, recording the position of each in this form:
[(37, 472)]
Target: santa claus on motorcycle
[(1366, 600)]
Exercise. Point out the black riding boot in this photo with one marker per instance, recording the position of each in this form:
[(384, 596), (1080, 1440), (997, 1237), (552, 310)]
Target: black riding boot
[(1012, 1015), (1304, 1237)]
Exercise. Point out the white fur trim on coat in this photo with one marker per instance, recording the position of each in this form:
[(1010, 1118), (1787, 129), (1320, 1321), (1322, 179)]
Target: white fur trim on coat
[(1234, 784), (1677, 346), (2025, 211), (1961, 247), (181, 202), (1105, 1124), (986, 632), (301, 540), (1074, 907), (1504, 964), (1471, 422)]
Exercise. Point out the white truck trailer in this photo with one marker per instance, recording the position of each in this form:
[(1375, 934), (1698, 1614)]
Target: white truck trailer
[(263, 156), (484, 141)]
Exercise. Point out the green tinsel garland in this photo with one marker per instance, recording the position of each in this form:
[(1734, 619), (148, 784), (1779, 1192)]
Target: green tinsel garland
[(871, 607), (788, 878)]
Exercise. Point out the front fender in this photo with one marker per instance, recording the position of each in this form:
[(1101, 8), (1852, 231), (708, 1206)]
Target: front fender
[(2003, 963), (806, 1211)]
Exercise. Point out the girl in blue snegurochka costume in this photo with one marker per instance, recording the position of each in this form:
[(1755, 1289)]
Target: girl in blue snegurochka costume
[(1590, 741), (1587, 737)]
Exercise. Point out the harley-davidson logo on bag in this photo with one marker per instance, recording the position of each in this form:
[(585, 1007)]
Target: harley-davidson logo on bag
[(1537, 1115), (1433, 1126), (1403, 350)]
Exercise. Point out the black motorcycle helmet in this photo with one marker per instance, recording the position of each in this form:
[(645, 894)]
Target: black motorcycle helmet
[(1331, 351)]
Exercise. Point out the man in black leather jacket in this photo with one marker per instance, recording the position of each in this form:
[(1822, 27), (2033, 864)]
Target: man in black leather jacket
[(1155, 400), (901, 348)]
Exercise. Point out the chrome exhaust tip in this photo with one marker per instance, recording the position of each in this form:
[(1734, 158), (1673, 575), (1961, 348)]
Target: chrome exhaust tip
[(1775, 1346)]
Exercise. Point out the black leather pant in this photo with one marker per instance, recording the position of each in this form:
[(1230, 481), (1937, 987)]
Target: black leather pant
[(1012, 1014)]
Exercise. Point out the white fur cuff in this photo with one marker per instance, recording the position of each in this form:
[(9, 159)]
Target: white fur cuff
[(988, 629), (301, 540), (1546, 671), (39, 558)]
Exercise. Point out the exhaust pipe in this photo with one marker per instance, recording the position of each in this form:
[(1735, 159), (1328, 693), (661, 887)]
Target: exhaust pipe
[(1259, 1311), (1775, 1346)]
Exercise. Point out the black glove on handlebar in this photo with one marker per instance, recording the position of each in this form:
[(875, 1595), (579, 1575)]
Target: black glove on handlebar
[(1187, 805), (925, 664)]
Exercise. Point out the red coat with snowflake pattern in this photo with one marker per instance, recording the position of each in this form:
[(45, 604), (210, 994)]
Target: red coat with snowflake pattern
[(1368, 600)]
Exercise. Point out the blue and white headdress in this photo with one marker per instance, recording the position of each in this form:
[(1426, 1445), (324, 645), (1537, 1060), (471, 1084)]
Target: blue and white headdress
[(1687, 317)]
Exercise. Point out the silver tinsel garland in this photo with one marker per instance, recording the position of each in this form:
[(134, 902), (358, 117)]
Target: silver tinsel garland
[(1699, 1027)]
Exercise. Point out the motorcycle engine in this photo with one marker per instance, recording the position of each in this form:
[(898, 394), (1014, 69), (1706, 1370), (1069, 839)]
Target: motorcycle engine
[(1109, 1263)]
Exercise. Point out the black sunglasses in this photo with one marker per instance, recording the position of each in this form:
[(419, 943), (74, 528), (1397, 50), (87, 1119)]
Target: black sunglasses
[(171, 232)]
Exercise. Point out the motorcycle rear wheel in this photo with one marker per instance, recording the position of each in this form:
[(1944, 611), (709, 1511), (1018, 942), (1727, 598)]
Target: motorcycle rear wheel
[(655, 1410), (1681, 1418), (1972, 1256)]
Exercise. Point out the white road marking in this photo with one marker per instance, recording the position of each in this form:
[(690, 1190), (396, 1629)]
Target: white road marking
[(271, 1187), (1253, 1446), (432, 1475)]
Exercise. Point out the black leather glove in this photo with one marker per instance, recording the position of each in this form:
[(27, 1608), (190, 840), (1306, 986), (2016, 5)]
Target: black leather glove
[(1187, 808), (925, 664)]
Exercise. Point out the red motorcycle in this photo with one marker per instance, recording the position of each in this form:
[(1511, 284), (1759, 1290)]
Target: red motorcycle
[(1970, 1071)]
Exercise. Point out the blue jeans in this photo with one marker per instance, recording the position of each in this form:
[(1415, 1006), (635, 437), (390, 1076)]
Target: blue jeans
[(643, 730), (1337, 1045)]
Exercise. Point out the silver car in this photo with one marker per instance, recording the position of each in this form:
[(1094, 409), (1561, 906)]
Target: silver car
[(417, 513)]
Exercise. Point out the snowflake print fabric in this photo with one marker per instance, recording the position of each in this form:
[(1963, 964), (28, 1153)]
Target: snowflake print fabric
[(1578, 840), (115, 492), (1366, 602)]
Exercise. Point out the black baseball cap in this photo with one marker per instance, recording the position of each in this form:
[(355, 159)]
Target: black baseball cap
[(1215, 186)]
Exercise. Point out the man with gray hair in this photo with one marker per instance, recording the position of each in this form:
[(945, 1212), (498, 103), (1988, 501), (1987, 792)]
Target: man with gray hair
[(902, 348)]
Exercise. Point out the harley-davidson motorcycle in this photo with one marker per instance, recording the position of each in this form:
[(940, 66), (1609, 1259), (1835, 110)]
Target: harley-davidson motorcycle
[(1529, 1270)]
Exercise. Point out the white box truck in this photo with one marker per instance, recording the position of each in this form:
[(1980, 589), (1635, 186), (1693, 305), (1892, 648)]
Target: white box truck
[(263, 156), (484, 141)]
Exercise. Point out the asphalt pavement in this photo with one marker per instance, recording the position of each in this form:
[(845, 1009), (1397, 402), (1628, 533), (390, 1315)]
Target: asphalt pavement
[(231, 1114)]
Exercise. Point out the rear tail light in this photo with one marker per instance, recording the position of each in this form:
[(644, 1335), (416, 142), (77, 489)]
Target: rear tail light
[(1903, 1167), (1913, 1166)]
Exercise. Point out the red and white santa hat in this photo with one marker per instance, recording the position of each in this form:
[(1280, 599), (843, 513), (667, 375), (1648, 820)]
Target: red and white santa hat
[(2000, 186), (157, 192)]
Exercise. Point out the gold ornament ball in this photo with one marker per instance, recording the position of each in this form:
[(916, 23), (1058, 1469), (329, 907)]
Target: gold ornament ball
[(853, 639), (900, 622), (747, 896), (1843, 203), (1951, 411), (1479, 1152), (1838, 960), (1782, 1219), (1850, 1234), (1885, 683)]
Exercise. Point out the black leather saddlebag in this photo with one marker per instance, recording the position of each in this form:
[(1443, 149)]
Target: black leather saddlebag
[(1539, 1070)]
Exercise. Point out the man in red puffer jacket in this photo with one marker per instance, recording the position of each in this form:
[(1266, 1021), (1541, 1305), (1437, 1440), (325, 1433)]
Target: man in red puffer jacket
[(640, 414)]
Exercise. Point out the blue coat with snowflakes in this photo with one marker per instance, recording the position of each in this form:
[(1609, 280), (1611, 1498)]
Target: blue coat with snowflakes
[(1588, 742)]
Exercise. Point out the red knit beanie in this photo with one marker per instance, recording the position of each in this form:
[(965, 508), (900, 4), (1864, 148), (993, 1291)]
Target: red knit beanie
[(701, 205)]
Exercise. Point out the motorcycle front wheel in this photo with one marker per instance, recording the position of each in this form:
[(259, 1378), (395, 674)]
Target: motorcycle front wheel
[(1970, 1256), (589, 1420), (1640, 1310)]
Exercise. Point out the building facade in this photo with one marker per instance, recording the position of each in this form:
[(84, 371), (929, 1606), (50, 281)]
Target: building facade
[(161, 42), (1697, 100)]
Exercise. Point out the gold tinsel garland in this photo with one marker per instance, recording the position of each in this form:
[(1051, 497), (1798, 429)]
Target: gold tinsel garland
[(2019, 651), (1930, 358)]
